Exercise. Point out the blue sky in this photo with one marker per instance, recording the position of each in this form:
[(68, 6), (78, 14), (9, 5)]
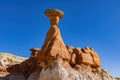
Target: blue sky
[(94, 23)]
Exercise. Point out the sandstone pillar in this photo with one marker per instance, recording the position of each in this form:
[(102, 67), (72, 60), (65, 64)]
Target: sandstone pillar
[(53, 45)]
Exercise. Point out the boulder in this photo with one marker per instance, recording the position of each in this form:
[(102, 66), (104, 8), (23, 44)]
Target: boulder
[(89, 56), (87, 59)]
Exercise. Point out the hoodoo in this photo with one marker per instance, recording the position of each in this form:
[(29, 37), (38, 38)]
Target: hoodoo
[(55, 49), (53, 46), (55, 60)]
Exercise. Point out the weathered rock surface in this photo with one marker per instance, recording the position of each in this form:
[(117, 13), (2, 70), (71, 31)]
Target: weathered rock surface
[(6, 58), (60, 72), (87, 56), (55, 60), (8, 68)]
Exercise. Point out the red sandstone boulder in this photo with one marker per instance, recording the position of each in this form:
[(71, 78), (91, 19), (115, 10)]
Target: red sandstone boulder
[(84, 56), (89, 56)]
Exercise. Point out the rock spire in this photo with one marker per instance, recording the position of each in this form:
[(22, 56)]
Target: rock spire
[(53, 46)]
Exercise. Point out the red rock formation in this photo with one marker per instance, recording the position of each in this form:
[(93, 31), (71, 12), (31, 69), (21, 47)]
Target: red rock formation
[(56, 61), (84, 56), (90, 57), (53, 45)]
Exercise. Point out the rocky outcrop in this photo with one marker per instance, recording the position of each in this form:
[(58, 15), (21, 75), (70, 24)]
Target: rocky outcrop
[(9, 67), (7, 58), (55, 71), (63, 71), (84, 56), (55, 60), (54, 47)]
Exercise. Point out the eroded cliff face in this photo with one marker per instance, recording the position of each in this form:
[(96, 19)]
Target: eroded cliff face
[(56, 61)]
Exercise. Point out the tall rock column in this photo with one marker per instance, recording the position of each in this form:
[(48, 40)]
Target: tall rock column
[(53, 45)]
